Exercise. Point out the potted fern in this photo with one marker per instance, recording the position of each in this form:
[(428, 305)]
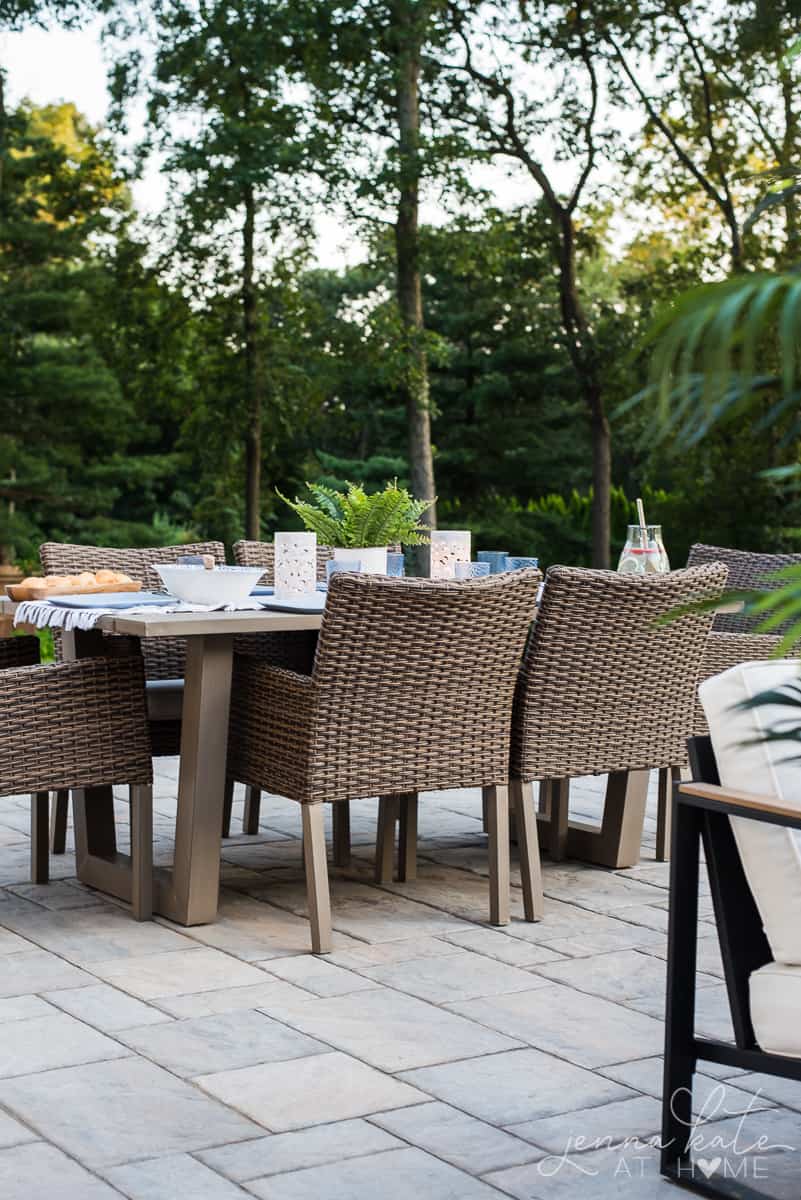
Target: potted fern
[(370, 522)]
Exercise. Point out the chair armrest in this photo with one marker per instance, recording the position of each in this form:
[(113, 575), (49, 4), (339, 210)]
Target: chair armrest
[(271, 727), (741, 803), (280, 680)]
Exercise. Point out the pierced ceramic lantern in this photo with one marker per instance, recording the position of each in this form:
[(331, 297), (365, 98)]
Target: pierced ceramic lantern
[(295, 564), (448, 547)]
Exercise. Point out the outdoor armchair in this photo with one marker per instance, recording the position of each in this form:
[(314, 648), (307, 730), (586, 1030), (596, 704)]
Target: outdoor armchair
[(742, 807), (732, 640), (293, 649), (411, 690), (608, 687), (748, 571), (79, 725), (164, 658)]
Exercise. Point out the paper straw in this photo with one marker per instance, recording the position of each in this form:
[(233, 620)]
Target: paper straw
[(643, 526)]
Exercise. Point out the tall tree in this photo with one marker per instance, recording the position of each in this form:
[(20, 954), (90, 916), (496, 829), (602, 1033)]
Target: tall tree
[(235, 147), (63, 417), (716, 96), (497, 95), (374, 67)]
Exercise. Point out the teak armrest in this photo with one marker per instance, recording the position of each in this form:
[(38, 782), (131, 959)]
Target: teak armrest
[(747, 801)]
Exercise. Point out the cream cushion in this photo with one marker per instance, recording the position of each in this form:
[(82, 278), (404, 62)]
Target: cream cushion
[(775, 992), (771, 856)]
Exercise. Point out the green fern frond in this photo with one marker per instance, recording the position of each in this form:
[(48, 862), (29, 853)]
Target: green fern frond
[(328, 530), (329, 500), (355, 519)]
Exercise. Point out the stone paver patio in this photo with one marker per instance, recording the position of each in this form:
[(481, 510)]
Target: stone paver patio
[(429, 1056)]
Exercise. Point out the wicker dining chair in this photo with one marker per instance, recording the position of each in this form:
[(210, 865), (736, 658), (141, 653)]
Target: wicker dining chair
[(605, 688), (78, 725), (164, 658), (411, 690), (293, 649), (748, 571)]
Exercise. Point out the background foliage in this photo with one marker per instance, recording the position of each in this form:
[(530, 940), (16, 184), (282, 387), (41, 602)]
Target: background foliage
[(128, 378)]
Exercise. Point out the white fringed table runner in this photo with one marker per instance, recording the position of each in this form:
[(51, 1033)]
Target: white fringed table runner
[(43, 614)]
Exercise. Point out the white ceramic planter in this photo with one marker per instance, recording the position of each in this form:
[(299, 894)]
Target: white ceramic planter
[(372, 558)]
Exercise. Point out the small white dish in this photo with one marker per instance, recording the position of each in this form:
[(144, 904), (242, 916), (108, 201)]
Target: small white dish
[(195, 585)]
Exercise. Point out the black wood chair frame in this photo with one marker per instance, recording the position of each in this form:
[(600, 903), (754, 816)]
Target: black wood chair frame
[(701, 811)]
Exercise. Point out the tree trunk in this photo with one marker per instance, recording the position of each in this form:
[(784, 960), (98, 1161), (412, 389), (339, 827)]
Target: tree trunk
[(789, 154), (254, 382), (601, 488), (582, 350), (7, 553), (407, 250)]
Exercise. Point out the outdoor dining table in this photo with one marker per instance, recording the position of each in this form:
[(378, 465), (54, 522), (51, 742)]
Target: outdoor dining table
[(188, 892)]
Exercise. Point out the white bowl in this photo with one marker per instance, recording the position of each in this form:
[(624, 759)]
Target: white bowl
[(222, 585)]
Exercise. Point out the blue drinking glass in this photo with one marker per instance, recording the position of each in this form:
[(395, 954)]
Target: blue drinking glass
[(396, 565), (518, 563), (333, 566), (495, 558), (471, 570)]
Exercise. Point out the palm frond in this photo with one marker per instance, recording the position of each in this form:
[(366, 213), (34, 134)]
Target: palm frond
[(706, 347)]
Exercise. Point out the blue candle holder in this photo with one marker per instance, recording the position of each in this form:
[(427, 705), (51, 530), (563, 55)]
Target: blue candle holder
[(519, 563), (495, 558), (471, 570)]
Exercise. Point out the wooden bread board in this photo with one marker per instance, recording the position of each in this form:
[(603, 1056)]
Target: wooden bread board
[(17, 592)]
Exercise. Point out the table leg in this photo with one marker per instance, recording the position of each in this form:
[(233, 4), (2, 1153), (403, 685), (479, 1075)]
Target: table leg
[(191, 899), (93, 810)]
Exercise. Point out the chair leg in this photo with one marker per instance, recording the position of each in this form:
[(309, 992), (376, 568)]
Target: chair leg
[(142, 852), (667, 777), (58, 822), (340, 819), (528, 844), (40, 840), (498, 821), (662, 816), (314, 860), (407, 838), (385, 838), (250, 817), (559, 792), (228, 804)]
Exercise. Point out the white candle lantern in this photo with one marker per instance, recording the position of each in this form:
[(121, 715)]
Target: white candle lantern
[(295, 564), (448, 547)]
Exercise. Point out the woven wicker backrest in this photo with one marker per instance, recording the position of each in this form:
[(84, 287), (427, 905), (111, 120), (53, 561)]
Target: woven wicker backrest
[(414, 681), (62, 558), (262, 554), (603, 686), (747, 572), (72, 725), (165, 658)]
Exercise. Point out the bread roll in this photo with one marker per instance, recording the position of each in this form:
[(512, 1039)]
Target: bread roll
[(106, 576)]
